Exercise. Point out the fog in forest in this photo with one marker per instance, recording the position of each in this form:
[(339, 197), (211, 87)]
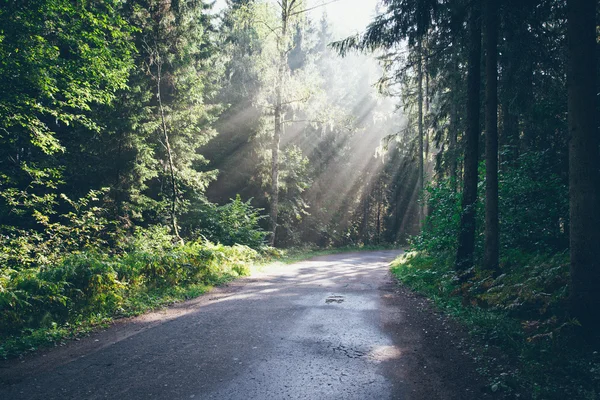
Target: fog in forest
[(347, 176)]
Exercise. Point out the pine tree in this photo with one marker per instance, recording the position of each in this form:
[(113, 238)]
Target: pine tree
[(584, 168), (491, 247), (466, 238)]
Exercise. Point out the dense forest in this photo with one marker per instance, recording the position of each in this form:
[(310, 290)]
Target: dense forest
[(149, 148), (506, 95)]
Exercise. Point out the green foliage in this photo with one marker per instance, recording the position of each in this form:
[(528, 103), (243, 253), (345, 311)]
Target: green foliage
[(523, 311), (165, 116), (237, 222), (522, 308), (294, 180), (83, 226), (532, 192), (87, 286), (57, 59), (527, 192), (441, 227)]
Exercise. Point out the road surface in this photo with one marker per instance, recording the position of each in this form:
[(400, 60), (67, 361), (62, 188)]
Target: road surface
[(334, 327)]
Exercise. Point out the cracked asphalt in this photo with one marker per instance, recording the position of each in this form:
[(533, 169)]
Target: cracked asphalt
[(334, 327)]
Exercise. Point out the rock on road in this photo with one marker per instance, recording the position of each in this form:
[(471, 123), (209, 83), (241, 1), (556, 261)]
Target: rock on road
[(334, 327)]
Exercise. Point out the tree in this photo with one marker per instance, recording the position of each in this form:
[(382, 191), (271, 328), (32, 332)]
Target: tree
[(288, 9), (420, 132), (466, 238), (59, 61), (171, 118), (491, 247), (584, 164)]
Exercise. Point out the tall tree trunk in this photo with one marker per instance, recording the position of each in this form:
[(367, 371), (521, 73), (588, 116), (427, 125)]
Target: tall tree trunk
[(584, 179), (491, 246), (466, 238), (453, 133), (278, 119), (366, 212), (167, 144), (420, 129)]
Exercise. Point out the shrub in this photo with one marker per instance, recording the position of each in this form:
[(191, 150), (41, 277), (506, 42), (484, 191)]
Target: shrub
[(236, 222), (90, 281), (527, 192), (86, 285)]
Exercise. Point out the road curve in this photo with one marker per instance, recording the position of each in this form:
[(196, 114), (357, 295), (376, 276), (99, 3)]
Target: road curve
[(334, 327)]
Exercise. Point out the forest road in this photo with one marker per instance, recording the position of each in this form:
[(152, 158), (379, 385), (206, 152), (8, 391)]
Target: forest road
[(333, 327)]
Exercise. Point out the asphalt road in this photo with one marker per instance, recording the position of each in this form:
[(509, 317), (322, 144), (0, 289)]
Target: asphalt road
[(335, 327)]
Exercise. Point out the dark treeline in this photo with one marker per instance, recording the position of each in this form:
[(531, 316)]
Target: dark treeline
[(506, 95)]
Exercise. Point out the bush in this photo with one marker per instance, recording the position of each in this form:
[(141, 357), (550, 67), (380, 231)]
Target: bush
[(28, 301), (236, 222), (441, 226), (88, 286), (527, 192), (83, 228)]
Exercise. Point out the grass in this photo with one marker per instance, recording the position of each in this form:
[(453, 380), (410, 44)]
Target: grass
[(542, 356)]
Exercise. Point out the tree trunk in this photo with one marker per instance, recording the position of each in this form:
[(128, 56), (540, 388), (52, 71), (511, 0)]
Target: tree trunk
[(278, 116), (584, 179), (466, 238), (167, 144), (491, 246), (452, 149), (420, 129)]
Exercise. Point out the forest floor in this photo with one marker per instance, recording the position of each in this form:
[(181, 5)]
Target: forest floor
[(332, 327)]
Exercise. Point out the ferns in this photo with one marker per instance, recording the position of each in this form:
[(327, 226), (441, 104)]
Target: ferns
[(86, 286)]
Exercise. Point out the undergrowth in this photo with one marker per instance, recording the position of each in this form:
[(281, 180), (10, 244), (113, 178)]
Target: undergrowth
[(521, 312), (522, 309), (85, 290)]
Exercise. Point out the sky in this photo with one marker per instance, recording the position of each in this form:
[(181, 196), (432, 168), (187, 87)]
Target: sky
[(346, 16)]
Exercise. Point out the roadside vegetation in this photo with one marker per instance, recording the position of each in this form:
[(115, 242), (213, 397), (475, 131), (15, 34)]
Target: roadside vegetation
[(528, 343), (59, 285), (82, 273)]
